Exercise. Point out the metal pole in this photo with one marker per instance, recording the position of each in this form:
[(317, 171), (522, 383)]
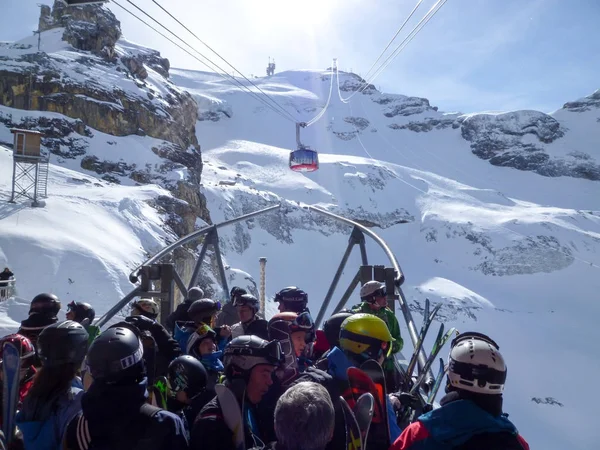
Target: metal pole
[(348, 292), (221, 267), (35, 186), (355, 238), (12, 196), (263, 283), (200, 259)]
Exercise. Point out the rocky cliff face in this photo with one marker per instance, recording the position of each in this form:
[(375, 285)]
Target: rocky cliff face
[(89, 82)]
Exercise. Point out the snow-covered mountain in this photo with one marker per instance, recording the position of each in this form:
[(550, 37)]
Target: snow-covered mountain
[(497, 215)]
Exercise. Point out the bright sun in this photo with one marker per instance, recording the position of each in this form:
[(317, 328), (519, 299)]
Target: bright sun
[(292, 14)]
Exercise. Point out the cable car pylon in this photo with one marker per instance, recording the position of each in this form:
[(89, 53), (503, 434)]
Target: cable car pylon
[(303, 159)]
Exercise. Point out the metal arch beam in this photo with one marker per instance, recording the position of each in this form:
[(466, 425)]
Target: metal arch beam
[(133, 277), (410, 324)]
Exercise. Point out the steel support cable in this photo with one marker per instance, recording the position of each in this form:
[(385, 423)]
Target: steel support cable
[(432, 12), (222, 58), (320, 114), (417, 28), (393, 39), (225, 76)]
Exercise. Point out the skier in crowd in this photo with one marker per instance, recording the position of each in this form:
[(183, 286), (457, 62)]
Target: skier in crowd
[(362, 337), (115, 414), (292, 299), (43, 311), (202, 345), (304, 418), (229, 313), (331, 330), (247, 307), (188, 379), (249, 365), (84, 314), (471, 414), (374, 301), (52, 401), (181, 312), (202, 312), (290, 329), (27, 371)]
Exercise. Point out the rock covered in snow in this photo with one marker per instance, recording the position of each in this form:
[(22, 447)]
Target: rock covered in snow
[(89, 27), (588, 103)]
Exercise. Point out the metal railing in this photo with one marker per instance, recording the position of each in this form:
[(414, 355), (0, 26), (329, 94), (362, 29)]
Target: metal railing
[(7, 289)]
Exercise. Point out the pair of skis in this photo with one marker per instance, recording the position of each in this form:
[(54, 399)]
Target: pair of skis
[(11, 381), (369, 395)]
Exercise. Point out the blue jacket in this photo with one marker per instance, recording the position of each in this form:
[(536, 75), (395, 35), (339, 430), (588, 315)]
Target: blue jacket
[(43, 425)]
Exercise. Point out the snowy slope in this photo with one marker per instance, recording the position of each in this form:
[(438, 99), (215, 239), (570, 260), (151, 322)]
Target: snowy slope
[(509, 252), (82, 244)]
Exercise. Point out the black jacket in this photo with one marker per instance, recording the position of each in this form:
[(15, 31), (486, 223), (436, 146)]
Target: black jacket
[(179, 315), (267, 405), (168, 348), (4, 276), (210, 432), (227, 316), (112, 419), (34, 324)]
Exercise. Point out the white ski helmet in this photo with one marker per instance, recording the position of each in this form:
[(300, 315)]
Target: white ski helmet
[(476, 365), (146, 307), (370, 289)]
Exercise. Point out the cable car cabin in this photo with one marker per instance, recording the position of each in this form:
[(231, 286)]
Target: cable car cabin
[(304, 160)]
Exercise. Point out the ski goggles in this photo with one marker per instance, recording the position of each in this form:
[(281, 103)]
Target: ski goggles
[(204, 331), (471, 373), (304, 322), (382, 292)]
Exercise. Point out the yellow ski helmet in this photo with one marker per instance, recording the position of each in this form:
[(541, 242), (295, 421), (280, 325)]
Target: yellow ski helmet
[(366, 335)]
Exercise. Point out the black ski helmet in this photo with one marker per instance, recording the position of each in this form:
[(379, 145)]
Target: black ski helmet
[(203, 310), (247, 300), (243, 353), (236, 291), (84, 313), (115, 356), (45, 304), (292, 298), (332, 327), (194, 294), (187, 374), (62, 343)]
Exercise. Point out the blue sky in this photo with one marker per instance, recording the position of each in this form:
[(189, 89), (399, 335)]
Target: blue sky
[(474, 55)]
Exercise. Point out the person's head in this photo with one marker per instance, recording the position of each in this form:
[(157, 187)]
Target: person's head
[(304, 417), (252, 360), (203, 311), (46, 304), (235, 292), (6, 269), (194, 294), (291, 299), (374, 293), (187, 377), (145, 307), (247, 306), (291, 329), (332, 326), (202, 342), (116, 358), (27, 352), (365, 336), (81, 312), (476, 365), (61, 349)]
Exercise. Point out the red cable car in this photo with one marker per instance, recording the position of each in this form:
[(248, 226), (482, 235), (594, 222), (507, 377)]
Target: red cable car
[(303, 159)]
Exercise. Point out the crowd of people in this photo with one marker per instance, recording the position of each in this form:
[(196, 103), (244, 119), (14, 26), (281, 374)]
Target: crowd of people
[(82, 389)]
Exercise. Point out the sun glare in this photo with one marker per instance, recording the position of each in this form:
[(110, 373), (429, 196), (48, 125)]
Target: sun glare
[(293, 14)]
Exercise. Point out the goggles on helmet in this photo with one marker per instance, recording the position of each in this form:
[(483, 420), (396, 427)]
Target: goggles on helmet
[(271, 352), (379, 293), (303, 322), (481, 373), (474, 335)]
